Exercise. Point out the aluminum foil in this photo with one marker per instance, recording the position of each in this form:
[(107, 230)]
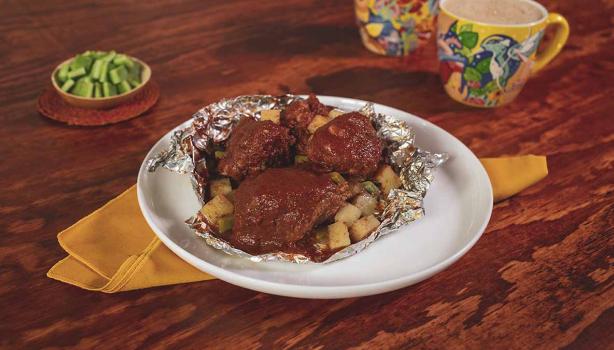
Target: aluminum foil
[(213, 124)]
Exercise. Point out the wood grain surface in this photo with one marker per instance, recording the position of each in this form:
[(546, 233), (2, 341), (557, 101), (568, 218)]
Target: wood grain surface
[(541, 277)]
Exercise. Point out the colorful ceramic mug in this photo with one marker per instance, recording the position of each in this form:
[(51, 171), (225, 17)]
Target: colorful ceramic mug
[(395, 27), (486, 65)]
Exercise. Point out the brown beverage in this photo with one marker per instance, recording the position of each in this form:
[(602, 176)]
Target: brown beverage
[(495, 11)]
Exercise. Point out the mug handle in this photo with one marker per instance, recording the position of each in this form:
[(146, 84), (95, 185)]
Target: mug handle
[(559, 40)]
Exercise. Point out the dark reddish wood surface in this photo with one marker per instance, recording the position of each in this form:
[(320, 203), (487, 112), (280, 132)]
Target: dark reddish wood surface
[(541, 277)]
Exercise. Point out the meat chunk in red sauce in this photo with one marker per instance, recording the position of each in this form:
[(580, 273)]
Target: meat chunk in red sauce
[(347, 144), (280, 206), (297, 117), (253, 146)]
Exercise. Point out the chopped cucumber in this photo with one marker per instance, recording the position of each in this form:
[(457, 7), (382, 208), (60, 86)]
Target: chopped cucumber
[(97, 90), (84, 88), (76, 73), (63, 73), (123, 87), (97, 69), (99, 74), (118, 75), (108, 89), (67, 85)]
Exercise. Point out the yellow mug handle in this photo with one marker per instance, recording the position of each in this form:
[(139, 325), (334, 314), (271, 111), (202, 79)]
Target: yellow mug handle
[(560, 38)]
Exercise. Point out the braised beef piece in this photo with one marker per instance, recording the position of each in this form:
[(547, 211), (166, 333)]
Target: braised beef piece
[(347, 144), (297, 117), (280, 206), (253, 146)]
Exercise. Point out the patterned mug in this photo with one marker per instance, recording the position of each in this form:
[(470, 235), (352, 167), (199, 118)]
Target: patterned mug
[(486, 65), (395, 27)]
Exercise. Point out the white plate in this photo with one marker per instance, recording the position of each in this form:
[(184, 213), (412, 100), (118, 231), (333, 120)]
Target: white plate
[(458, 207)]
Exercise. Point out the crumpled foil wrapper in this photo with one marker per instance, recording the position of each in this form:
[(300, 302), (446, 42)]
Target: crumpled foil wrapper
[(213, 124)]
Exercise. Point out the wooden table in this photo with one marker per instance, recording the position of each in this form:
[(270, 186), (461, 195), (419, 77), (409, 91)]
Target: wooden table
[(542, 276)]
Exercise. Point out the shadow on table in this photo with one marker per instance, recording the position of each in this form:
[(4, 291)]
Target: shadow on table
[(418, 92)]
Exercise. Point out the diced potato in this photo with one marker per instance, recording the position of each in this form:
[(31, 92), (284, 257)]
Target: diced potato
[(334, 113), (348, 214), (220, 186), (321, 238), (317, 122), (231, 196), (387, 178), (363, 227), (270, 114), (356, 188), (338, 236), (366, 203), (216, 208)]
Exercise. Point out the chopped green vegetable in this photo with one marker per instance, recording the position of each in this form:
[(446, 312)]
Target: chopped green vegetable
[(225, 223), (104, 71), (134, 83), (108, 74), (63, 73), (300, 159), (118, 75), (370, 187), (97, 69), (76, 73), (219, 154), (67, 85), (84, 88), (337, 178), (110, 56), (97, 90), (108, 89), (123, 87), (81, 61)]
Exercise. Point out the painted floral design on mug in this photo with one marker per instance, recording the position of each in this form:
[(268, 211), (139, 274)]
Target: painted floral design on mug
[(485, 65), (395, 27)]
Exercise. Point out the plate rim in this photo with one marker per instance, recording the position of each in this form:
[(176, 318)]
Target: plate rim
[(307, 291)]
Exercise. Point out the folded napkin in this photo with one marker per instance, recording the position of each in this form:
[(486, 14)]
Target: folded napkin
[(113, 249)]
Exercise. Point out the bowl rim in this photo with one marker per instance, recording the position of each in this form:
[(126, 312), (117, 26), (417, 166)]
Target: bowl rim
[(109, 98)]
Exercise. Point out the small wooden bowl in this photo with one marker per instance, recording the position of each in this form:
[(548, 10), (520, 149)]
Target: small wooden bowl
[(101, 102)]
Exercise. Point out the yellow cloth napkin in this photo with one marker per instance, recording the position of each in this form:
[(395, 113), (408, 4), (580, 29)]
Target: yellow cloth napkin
[(113, 249), (510, 175)]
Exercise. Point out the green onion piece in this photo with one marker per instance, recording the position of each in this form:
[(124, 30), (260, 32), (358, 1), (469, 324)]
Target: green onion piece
[(337, 178), (300, 159), (370, 187), (219, 154)]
